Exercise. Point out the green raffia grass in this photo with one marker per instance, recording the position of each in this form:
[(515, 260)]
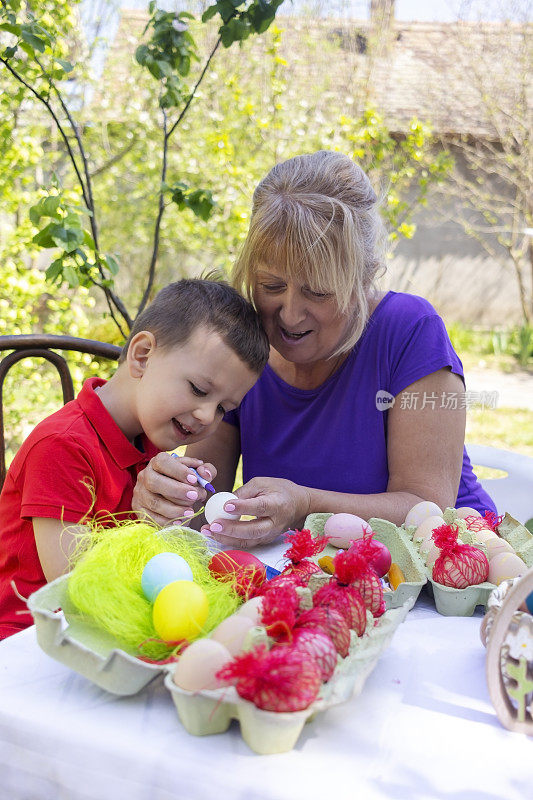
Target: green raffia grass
[(105, 583)]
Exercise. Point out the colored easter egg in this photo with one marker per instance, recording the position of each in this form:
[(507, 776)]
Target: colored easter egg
[(465, 511), (421, 511), (232, 632), (180, 611), (198, 665), (228, 561), (529, 603), (345, 528), (382, 561), (395, 576), (244, 569), (162, 569), (214, 507), (426, 528), (504, 566)]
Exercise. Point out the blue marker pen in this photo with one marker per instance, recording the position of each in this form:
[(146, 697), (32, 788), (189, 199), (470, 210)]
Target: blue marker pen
[(202, 481)]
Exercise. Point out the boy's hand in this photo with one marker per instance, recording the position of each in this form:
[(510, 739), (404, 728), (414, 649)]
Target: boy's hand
[(166, 490), (277, 505)]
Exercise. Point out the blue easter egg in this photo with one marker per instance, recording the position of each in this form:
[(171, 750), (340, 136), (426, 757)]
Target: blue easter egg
[(162, 569), (529, 603)]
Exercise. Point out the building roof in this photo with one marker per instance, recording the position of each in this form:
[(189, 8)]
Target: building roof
[(436, 71)]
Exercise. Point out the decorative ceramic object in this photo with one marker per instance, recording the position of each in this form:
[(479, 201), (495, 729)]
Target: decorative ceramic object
[(509, 664)]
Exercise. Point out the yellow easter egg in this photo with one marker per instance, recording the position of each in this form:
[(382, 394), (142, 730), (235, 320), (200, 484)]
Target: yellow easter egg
[(180, 611)]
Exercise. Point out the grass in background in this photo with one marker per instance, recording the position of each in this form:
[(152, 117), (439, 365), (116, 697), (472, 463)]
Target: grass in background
[(507, 349), (506, 428)]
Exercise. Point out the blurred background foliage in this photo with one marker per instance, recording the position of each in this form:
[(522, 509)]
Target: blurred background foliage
[(246, 115)]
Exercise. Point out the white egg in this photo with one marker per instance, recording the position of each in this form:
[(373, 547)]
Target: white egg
[(465, 511), (496, 546), (421, 511), (504, 566), (232, 631), (484, 536), (432, 554), (252, 609), (199, 664), (426, 528), (214, 508)]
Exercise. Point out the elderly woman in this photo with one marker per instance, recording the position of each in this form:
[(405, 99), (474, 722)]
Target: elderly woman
[(361, 407)]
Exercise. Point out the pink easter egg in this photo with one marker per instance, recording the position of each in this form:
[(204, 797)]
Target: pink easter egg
[(382, 561), (345, 528)]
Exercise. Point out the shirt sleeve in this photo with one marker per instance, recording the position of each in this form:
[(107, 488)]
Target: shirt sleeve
[(425, 348), (233, 417), (58, 481)]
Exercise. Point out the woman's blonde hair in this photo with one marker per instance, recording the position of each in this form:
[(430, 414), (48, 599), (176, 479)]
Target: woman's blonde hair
[(318, 216)]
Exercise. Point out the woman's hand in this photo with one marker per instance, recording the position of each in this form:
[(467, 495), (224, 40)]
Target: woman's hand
[(278, 505), (166, 489)]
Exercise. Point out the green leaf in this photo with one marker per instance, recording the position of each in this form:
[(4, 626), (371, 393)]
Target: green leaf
[(9, 52), (69, 273), (209, 13), (112, 264), (33, 41), (141, 54), (10, 28), (44, 238), (54, 270), (67, 66)]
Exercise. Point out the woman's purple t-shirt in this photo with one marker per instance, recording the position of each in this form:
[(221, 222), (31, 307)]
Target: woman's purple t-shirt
[(334, 437)]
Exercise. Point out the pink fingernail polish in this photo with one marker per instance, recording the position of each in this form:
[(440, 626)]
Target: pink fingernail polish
[(216, 528), (208, 473), (192, 495), (191, 478), (229, 507), (188, 513)]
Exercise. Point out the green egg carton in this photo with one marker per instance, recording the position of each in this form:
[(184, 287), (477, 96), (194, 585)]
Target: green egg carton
[(402, 552), (519, 537), (268, 732), (86, 649), (452, 602)]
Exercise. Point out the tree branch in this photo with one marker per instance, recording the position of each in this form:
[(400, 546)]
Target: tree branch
[(161, 211), (198, 82), (57, 122)]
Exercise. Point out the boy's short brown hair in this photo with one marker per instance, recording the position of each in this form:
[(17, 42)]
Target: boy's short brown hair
[(184, 305)]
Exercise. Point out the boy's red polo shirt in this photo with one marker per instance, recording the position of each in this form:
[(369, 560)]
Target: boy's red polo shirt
[(71, 459)]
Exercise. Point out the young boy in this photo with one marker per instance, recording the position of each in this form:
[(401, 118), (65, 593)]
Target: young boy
[(191, 356)]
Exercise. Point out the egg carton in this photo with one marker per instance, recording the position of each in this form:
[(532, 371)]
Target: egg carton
[(402, 551), (77, 644), (268, 732), (519, 537), (463, 602)]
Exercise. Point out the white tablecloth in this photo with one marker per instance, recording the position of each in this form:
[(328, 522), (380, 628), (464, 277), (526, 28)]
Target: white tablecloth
[(423, 728)]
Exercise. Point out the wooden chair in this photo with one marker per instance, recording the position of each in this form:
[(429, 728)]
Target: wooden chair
[(44, 346)]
